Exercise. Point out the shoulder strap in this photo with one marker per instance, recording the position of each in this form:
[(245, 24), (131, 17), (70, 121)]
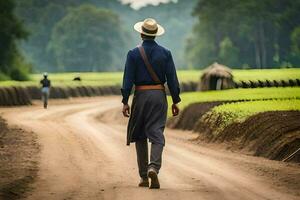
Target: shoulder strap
[(148, 65)]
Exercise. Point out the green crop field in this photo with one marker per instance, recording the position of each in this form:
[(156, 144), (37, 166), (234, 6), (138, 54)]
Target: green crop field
[(240, 94), (266, 74), (237, 112), (247, 94), (115, 78), (66, 79)]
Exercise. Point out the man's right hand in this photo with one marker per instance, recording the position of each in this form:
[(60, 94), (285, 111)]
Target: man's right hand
[(175, 110), (126, 110)]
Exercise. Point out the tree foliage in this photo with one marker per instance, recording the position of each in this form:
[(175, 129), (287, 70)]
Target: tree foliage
[(12, 30), (42, 17), (86, 39), (255, 32)]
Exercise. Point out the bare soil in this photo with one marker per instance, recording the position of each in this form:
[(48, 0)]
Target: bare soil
[(274, 135), (18, 161), (85, 157), (191, 114)]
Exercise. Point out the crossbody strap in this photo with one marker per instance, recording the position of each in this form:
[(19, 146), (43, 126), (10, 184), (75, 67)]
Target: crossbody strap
[(148, 65)]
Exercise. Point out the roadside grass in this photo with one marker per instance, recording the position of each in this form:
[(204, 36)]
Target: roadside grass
[(238, 112), (115, 78)]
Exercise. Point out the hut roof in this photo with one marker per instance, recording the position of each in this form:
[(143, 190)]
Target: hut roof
[(219, 70)]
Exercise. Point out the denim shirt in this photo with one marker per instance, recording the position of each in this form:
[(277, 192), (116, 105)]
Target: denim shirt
[(136, 73)]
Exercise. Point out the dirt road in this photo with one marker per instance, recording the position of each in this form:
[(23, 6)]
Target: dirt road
[(83, 158)]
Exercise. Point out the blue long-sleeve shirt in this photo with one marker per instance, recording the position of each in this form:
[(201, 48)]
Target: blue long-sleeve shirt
[(136, 73)]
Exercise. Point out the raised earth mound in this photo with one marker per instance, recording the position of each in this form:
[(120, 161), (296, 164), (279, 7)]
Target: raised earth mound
[(13, 96), (274, 135), (17, 96), (18, 161), (190, 115)]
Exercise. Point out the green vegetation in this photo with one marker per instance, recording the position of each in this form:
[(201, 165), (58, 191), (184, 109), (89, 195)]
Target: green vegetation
[(44, 17), (240, 94), (115, 78), (266, 74), (237, 112), (95, 35), (79, 42), (66, 79), (256, 34), (253, 101), (12, 63)]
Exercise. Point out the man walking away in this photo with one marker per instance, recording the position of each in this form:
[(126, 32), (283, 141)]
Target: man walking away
[(148, 67), (46, 84)]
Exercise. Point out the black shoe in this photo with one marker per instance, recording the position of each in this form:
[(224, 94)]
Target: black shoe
[(144, 182), (152, 174)]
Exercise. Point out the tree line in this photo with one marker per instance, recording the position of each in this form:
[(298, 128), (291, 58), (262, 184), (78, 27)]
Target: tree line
[(95, 35), (246, 34), (12, 62), (71, 35)]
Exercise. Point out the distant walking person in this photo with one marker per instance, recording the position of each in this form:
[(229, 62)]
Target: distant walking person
[(148, 67), (46, 84)]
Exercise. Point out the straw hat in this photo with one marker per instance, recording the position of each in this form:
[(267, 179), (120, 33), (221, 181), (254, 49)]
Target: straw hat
[(149, 27)]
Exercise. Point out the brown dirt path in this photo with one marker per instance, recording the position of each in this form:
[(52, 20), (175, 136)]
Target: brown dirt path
[(19, 152), (82, 158)]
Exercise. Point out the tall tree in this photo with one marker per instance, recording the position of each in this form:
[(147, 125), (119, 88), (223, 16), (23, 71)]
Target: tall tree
[(11, 32), (86, 39), (260, 31), (41, 16)]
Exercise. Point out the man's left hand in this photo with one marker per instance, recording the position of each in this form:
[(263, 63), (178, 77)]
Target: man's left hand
[(126, 110)]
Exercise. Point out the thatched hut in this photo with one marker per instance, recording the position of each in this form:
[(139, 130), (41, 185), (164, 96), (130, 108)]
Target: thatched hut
[(216, 77)]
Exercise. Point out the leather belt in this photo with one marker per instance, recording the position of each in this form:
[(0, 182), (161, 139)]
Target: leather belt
[(149, 87)]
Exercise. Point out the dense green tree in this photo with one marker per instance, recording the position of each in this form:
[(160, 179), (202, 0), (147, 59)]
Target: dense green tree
[(260, 31), (12, 30), (86, 39), (295, 41), (295, 38), (228, 52), (199, 47), (41, 16)]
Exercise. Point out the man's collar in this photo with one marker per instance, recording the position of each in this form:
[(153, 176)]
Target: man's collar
[(147, 41)]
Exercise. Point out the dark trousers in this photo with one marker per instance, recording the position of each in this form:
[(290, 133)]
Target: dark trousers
[(143, 159)]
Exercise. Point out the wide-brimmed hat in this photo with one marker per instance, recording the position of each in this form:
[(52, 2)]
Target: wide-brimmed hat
[(149, 27)]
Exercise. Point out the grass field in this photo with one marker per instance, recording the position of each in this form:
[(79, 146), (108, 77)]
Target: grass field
[(240, 94), (266, 74), (115, 78), (66, 79), (237, 112)]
